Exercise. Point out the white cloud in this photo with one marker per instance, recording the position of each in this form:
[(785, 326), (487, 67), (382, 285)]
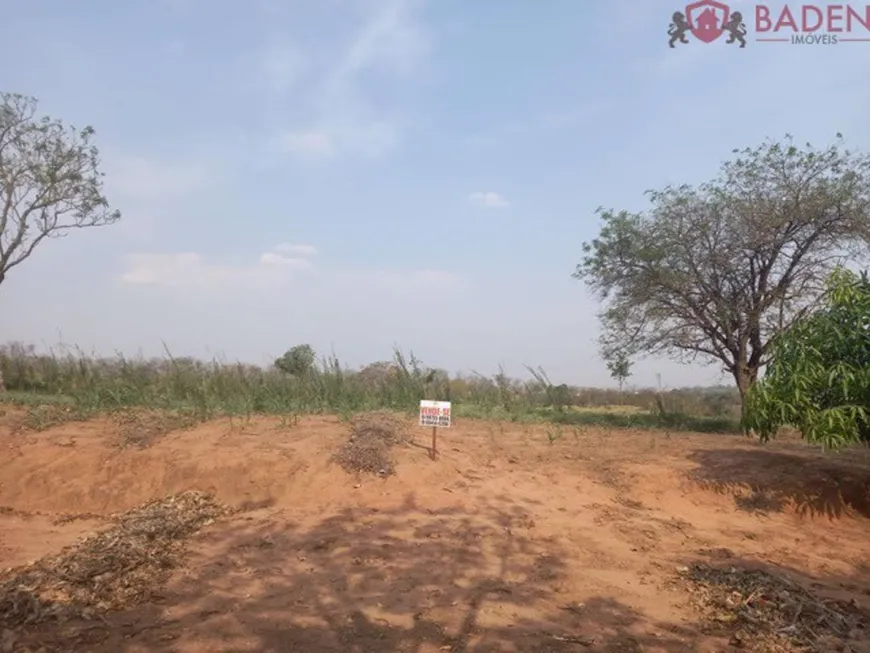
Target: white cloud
[(296, 250), (287, 255), (271, 258), (488, 199), (190, 270), (391, 42)]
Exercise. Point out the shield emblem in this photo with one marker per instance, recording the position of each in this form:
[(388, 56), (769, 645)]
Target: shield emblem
[(707, 18)]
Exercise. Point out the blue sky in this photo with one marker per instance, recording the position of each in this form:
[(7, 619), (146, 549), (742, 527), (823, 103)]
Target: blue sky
[(362, 173)]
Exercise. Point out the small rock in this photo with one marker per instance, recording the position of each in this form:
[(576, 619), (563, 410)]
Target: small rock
[(682, 569), (357, 486)]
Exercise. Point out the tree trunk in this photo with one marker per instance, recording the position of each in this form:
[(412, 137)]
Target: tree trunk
[(745, 375)]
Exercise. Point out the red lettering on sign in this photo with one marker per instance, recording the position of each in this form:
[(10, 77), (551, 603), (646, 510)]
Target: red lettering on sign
[(786, 20), (806, 10), (852, 14), (833, 15), (762, 18)]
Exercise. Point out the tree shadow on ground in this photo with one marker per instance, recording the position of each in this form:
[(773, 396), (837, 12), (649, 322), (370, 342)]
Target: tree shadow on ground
[(808, 481), (407, 579)]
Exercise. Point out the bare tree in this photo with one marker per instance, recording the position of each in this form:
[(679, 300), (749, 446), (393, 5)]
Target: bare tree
[(716, 271), (50, 181)]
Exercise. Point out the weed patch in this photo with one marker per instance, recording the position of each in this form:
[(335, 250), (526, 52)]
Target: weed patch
[(220, 389), (45, 416)]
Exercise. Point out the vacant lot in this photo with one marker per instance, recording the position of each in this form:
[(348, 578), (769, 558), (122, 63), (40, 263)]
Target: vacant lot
[(516, 538)]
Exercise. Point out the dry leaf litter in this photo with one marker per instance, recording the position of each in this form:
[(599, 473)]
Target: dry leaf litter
[(109, 570), (772, 614)]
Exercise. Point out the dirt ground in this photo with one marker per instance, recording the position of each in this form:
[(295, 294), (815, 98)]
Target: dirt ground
[(506, 542)]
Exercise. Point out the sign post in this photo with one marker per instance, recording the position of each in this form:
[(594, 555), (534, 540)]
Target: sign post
[(437, 415)]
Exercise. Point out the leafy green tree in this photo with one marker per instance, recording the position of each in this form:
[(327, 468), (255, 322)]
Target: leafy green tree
[(819, 379), (298, 360), (715, 272), (560, 396), (50, 181), (619, 366)]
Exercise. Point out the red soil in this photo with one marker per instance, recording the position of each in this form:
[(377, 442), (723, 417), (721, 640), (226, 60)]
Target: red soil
[(504, 543)]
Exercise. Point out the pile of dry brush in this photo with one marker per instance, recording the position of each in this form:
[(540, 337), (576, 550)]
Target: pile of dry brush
[(113, 569), (772, 614), (369, 444)]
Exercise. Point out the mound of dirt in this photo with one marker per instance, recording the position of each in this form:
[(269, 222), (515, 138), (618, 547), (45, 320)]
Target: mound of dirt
[(368, 446), (142, 428), (112, 569), (772, 614)]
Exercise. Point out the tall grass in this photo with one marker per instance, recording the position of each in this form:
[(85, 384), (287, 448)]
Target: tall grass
[(209, 389)]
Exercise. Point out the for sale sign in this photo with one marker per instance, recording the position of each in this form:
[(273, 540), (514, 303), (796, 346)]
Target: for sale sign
[(435, 413)]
